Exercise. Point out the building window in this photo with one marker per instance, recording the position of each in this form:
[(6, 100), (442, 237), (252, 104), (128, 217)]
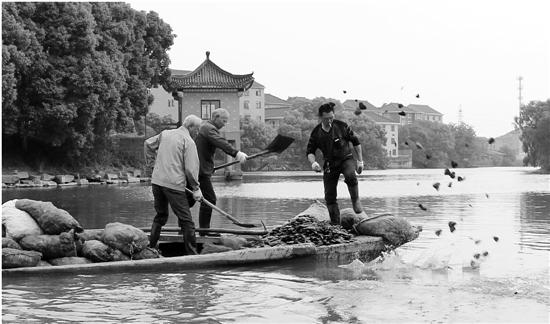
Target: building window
[(393, 128), (246, 105), (246, 93), (259, 92), (394, 152), (207, 107), (258, 105), (393, 141), (170, 103)]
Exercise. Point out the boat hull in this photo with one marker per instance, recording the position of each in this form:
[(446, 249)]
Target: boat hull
[(362, 247)]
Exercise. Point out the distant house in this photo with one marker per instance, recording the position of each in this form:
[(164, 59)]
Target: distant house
[(425, 112), (275, 109), (392, 111), (392, 132), (390, 126), (252, 102), (510, 139), (351, 105), (165, 104)]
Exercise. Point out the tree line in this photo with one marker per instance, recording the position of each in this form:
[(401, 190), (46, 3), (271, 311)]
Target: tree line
[(73, 73)]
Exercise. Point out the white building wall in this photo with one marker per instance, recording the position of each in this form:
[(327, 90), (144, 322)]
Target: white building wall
[(255, 97)]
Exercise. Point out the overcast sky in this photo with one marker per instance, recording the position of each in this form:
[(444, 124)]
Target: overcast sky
[(452, 53)]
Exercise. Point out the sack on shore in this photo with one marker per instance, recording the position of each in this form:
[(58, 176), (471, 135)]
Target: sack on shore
[(51, 219), (13, 258), (393, 229), (126, 238), (18, 223), (51, 246), (9, 243), (68, 260), (93, 234), (98, 251), (317, 210), (147, 253)]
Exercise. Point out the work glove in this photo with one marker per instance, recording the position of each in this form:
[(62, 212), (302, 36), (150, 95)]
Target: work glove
[(316, 167), (197, 195), (242, 157), (359, 168)]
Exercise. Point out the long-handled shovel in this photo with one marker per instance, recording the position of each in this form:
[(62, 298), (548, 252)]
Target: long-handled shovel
[(233, 219), (278, 145)]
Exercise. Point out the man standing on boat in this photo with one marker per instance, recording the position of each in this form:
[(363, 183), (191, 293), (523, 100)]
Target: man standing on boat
[(208, 140), (173, 154), (332, 137)]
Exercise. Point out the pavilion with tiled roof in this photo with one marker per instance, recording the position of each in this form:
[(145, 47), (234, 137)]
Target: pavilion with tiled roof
[(208, 87), (209, 77)]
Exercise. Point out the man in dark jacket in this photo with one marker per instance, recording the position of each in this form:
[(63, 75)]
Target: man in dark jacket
[(208, 140), (332, 137)]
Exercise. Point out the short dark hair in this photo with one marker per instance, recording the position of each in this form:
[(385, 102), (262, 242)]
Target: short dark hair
[(326, 108)]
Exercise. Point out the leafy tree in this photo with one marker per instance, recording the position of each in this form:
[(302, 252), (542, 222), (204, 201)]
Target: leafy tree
[(255, 137), (464, 152), (74, 72), (155, 124), (436, 140), (509, 157), (534, 123)]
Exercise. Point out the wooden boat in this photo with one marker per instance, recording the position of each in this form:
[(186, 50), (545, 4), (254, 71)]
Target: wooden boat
[(361, 247)]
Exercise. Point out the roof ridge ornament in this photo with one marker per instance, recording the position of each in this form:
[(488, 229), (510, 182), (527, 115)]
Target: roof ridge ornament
[(207, 55)]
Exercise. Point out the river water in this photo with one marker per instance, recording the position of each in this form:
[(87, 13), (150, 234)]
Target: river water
[(429, 280)]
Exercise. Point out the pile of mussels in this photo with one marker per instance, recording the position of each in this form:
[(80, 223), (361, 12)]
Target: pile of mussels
[(306, 229)]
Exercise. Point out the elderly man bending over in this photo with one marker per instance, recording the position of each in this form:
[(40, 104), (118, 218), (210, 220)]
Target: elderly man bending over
[(173, 154)]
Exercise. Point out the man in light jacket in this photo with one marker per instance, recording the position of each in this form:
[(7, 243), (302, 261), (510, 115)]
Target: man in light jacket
[(173, 156), (208, 140)]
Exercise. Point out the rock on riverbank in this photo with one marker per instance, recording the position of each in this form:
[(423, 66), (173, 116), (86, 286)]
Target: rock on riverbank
[(22, 179)]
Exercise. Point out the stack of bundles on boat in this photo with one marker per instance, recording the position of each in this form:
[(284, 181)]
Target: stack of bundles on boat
[(394, 230), (37, 231), (307, 229)]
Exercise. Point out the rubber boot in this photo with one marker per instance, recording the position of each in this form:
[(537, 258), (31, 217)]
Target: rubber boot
[(205, 214), (155, 235), (189, 241), (354, 193), (334, 213)]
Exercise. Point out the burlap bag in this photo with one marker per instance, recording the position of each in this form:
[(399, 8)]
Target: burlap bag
[(147, 253), (393, 229), (317, 210), (126, 238), (9, 243), (68, 260), (51, 246), (18, 223), (98, 251), (93, 234), (13, 258), (51, 219), (209, 248)]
